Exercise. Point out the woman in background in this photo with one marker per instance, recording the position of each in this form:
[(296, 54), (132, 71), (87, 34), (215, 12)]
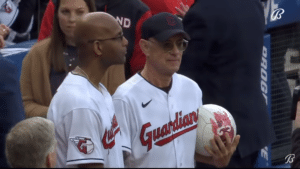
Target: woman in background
[(49, 61)]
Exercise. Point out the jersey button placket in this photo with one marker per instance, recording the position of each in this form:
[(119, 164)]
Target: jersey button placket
[(172, 118), (170, 103)]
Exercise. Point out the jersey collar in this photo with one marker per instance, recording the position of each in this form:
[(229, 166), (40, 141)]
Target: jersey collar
[(165, 89)]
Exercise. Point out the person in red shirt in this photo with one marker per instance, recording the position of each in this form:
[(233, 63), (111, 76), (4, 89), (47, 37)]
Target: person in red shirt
[(47, 22), (175, 7)]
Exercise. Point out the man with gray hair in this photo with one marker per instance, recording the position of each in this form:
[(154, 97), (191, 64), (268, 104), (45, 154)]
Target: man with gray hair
[(31, 143)]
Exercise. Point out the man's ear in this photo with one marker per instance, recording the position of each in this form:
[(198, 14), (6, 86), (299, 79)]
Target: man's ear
[(51, 160), (144, 44), (97, 47)]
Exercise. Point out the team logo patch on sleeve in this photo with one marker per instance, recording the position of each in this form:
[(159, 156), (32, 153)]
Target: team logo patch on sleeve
[(83, 144)]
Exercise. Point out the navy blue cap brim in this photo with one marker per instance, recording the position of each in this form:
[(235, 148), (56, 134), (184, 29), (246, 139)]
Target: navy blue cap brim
[(165, 35)]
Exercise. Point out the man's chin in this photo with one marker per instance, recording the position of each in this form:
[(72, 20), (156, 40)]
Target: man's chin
[(176, 69)]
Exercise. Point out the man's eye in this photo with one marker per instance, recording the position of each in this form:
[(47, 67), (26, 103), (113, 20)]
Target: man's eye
[(168, 45), (121, 37), (180, 43)]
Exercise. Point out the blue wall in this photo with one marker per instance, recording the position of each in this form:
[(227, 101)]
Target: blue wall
[(281, 12)]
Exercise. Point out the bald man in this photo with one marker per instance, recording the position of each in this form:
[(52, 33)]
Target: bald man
[(87, 131)]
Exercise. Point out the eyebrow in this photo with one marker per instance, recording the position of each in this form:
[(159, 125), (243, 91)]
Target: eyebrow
[(64, 7), (80, 8), (181, 39)]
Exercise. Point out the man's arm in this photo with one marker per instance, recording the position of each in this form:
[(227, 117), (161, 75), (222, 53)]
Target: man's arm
[(77, 131), (2, 42), (4, 31), (182, 10)]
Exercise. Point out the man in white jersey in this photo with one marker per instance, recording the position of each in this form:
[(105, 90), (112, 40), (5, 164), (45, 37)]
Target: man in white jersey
[(157, 108), (82, 110)]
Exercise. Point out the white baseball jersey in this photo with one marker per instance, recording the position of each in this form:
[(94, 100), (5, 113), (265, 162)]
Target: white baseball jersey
[(86, 127), (158, 128)]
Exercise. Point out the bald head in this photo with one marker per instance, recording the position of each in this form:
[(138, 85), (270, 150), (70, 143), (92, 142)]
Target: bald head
[(95, 25), (90, 28)]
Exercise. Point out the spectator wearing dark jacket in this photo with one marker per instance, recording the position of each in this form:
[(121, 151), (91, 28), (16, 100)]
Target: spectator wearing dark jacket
[(11, 106), (224, 58)]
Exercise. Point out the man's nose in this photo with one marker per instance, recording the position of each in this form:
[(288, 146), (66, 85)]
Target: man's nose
[(175, 49)]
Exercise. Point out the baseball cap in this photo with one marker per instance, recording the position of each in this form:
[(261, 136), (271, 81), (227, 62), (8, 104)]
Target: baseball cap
[(163, 26)]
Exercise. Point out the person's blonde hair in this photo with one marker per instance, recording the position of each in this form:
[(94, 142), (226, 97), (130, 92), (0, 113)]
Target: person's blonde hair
[(29, 142)]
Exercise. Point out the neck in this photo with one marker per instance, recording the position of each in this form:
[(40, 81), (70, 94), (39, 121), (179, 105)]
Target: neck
[(157, 79), (92, 72), (70, 42)]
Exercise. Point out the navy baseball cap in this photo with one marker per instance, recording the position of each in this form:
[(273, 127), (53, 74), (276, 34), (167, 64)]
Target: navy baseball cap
[(163, 26)]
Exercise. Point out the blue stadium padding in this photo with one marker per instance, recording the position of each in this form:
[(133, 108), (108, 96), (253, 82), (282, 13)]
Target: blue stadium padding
[(17, 60), (264, 156), (26, 44), (283, 11), (18, 57), (282, 166)]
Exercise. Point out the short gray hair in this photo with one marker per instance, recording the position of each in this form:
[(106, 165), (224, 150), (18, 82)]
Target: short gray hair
[(29, 142)]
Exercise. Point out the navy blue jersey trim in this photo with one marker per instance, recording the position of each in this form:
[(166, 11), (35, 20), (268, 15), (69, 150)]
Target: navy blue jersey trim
[(165, 89), (100, 159), (126, 147)]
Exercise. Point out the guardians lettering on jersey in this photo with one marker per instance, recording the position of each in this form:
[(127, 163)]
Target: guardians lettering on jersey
[(190, 120), (108, 140)]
